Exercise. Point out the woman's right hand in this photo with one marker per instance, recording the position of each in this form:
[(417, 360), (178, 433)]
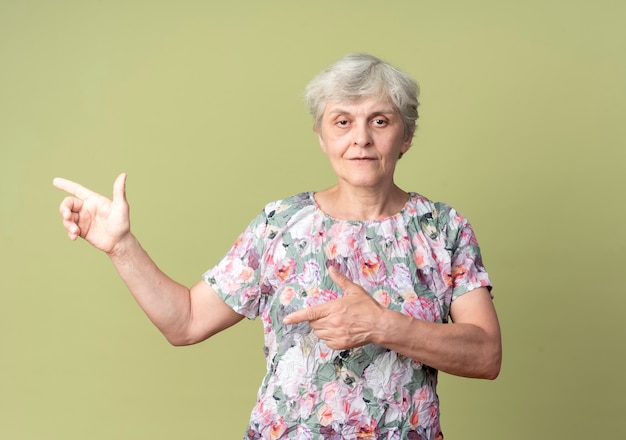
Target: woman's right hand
[(102, 222)]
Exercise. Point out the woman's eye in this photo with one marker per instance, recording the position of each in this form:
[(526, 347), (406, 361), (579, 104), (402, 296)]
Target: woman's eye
[(342, 123), (380, 122)]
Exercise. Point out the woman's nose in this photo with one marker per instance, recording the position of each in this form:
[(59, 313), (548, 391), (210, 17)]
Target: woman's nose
[(361, 135)]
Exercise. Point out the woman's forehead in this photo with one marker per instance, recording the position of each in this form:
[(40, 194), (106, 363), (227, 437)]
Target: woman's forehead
[(360, 106)]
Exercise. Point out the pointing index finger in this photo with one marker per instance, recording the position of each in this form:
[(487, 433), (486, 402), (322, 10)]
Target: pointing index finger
[(308, 314), (72, 188)]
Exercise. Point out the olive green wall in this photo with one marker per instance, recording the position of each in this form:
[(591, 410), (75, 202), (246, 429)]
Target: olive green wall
[(200, 102)]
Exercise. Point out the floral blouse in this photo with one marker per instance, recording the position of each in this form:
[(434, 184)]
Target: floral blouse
[(415, 262)]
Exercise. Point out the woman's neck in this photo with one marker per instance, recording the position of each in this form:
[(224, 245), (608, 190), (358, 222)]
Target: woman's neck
[(361, 204)]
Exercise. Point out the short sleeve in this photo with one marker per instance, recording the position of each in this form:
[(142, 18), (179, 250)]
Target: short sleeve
[(236, 278), (468, 270)]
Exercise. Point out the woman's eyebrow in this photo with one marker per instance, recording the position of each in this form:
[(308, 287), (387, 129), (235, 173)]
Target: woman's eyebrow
[(383, 112), (340, 111)]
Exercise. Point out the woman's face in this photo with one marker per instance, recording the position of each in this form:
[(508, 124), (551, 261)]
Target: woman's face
[(363, 141)]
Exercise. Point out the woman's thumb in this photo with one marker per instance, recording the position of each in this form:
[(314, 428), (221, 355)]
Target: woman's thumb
[(119, 188)]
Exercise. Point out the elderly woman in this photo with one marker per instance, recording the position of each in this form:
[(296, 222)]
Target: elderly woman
[(365, 290)]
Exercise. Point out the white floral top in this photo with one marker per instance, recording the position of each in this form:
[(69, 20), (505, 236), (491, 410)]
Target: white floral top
[(415, 262)]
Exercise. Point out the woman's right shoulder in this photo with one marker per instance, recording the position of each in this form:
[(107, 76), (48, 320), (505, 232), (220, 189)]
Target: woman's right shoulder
[(280, 211)]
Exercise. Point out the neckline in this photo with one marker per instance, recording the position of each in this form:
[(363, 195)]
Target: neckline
[(400, 213)]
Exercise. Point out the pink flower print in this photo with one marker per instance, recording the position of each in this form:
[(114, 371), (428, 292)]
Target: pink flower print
[(342, 230), (342, 240), (420, 257), (322, 352), (460, 271), (382, 296), (408, 295), (393, 239), (410, 209), (419, 240), (307, 236), (325, 415), (422, 308), (317, 296), (317, 239), (468, 237), (426, 406), (294, 367), (415, 419), (400, 279), (249, 295), (309, 398), (287, 295), (238, 274), (367, 430), (330, 391), (278, 428), (285, 269), (245, 275), (309, 275), (385, 229), (387, 377), (303, 433), (373, 268), (238, 241), (253, 259), (265, 408), (399, 405), (344, 402), (331, 250)]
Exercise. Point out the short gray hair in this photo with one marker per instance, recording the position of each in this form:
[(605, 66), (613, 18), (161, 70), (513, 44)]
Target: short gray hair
[(359, 76)]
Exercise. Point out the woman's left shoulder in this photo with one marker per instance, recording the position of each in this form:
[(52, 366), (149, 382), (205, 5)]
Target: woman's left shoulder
[(438, 214), (422, 205)]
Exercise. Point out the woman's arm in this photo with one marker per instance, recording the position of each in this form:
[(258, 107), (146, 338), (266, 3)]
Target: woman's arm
[(470, 346), (184, 316)]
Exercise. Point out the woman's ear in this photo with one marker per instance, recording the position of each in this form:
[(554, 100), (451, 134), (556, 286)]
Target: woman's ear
[(406, 144), (404, 149), (320, 138)]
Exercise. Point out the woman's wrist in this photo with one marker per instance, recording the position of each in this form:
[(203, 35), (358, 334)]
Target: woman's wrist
[(124, 247)]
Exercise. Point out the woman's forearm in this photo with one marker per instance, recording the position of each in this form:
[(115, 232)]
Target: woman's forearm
[(166, 302), (461, 349)]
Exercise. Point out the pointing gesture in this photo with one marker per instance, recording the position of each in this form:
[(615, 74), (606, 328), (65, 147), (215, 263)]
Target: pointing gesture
[(100, 221), (348, 322)]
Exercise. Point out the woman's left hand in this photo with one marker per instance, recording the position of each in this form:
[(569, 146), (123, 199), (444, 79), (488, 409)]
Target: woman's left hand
[(470, 346), (344, 323)]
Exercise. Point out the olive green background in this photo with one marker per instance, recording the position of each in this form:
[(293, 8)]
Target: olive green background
[(522, 129)]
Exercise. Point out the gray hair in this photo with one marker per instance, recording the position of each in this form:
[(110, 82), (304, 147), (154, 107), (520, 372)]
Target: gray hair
[(359, 76)]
